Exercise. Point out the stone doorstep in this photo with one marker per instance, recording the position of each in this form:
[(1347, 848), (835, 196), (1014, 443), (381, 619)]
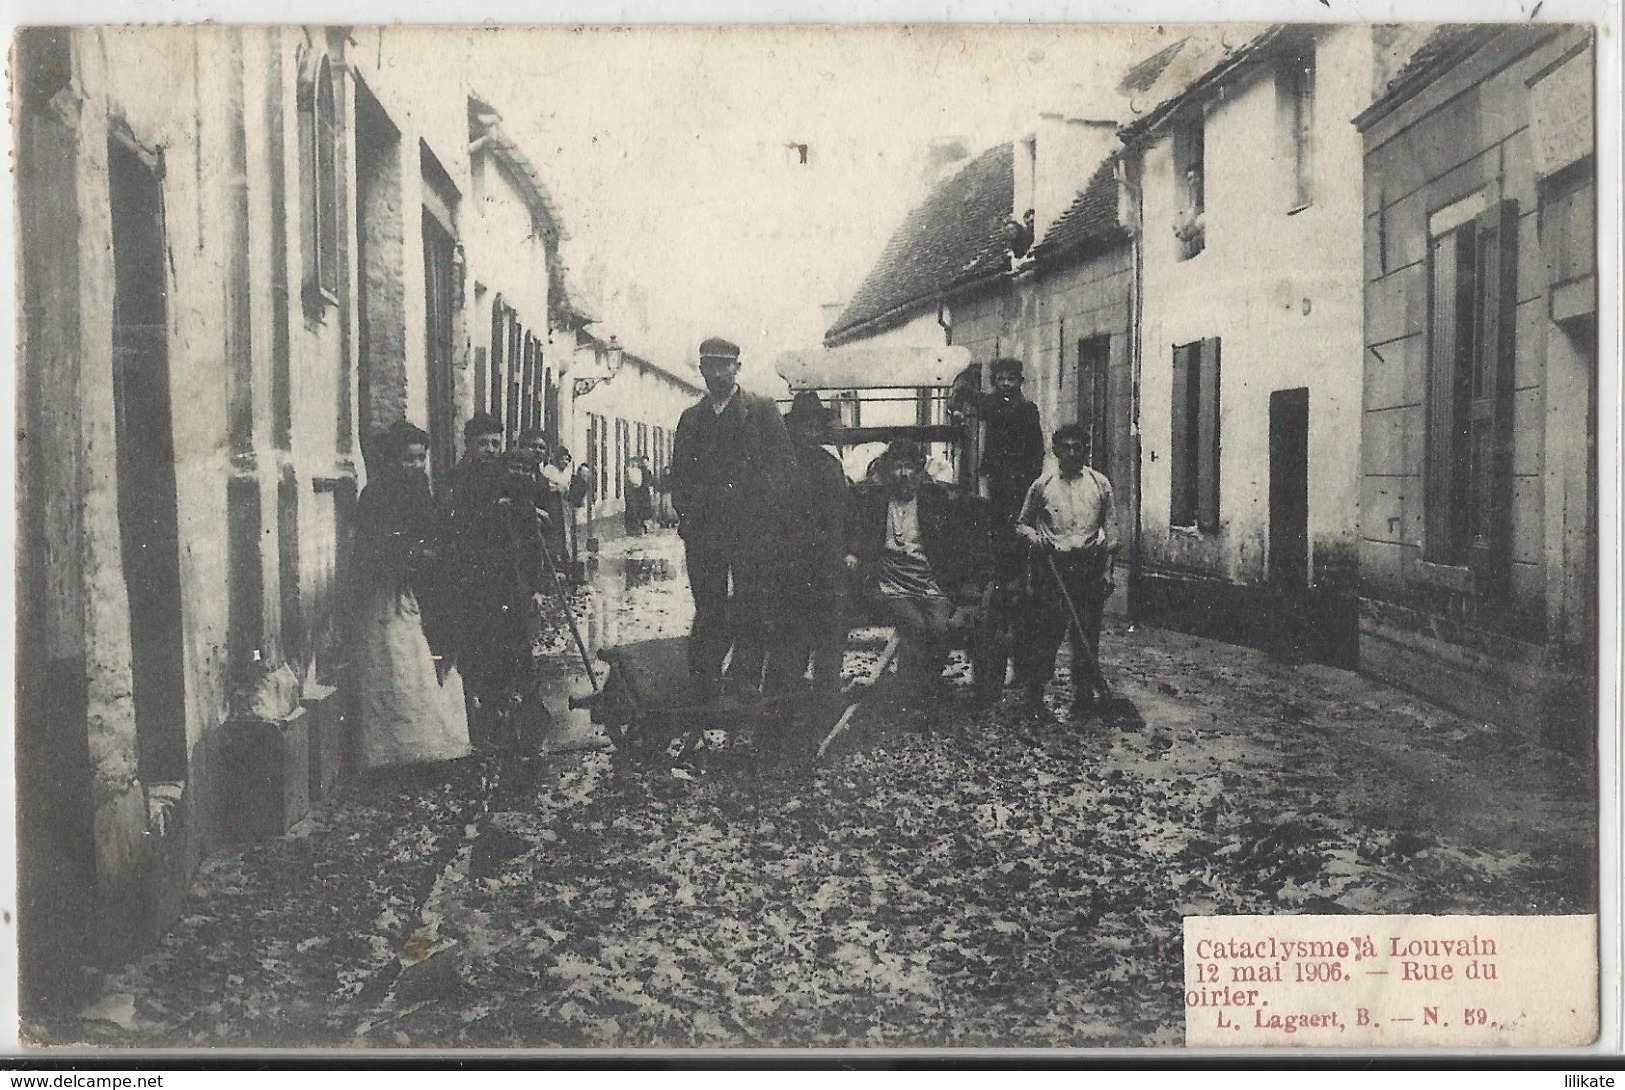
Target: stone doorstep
[(268, 774), (327, 711)]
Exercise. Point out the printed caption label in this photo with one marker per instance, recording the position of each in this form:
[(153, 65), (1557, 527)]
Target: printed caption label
[(1387, 981)]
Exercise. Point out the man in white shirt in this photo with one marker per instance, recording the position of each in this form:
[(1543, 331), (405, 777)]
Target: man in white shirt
[(1070, 521)]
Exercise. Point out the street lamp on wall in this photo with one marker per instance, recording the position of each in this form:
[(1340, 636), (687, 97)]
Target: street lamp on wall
[(609, 365)]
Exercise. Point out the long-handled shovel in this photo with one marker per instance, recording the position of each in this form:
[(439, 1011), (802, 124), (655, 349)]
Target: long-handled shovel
[(515, 548), (1113, 706), (569, 614), (845, 721)]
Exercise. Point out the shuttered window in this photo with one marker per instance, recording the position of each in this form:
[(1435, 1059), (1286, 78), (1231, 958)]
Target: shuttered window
[(1468, 490), (499, 340), (1094, 372), (1194, 437)]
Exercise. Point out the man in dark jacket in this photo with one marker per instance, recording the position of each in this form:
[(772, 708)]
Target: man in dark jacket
[(493, 510), (919, 549), (731, 465), (812, 607), (1013, 454), (1012, 458)]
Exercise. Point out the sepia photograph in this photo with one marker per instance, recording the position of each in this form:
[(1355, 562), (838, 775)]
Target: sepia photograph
[(873, 537)]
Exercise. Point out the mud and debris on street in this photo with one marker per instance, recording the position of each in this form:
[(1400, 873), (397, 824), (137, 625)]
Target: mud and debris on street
[(998, 881)]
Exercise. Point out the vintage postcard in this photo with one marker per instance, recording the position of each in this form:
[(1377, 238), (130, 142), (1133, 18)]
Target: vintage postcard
[(930, 536)]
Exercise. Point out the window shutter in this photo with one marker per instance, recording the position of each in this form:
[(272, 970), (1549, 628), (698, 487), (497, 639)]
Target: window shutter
[(1490, 412), (326, 190), (1101, 440), (498, 342), (1440, 451), (1207, 437), (516, 370), (1182, 506)]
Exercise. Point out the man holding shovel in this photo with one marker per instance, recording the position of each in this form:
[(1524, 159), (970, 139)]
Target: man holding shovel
[(1071, 523)]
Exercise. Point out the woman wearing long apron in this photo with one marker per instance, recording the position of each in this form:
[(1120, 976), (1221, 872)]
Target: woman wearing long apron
[(411, 704)]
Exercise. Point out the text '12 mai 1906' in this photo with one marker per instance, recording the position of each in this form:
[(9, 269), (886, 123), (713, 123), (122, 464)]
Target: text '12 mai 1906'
[(1376, 981)]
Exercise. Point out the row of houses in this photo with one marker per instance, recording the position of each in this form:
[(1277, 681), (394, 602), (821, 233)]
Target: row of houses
[(1327, 305), (242, 252)]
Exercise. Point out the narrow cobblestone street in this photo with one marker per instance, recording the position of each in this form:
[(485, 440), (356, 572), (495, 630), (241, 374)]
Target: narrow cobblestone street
[(1020, 885)]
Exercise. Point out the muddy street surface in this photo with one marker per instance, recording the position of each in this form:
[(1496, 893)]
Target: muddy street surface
[(999, 881)]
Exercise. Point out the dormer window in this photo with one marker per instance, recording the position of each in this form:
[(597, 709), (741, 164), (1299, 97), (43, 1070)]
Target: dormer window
[(1190, 199), (318, 147), (1019, 233)]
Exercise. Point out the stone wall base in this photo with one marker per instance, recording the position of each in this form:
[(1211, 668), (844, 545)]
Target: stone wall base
[(1315, 626), (1529, 688), (146, 850)]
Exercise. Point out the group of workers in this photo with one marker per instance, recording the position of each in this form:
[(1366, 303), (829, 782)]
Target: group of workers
[(446, 611), (776, 540), (778, 547)]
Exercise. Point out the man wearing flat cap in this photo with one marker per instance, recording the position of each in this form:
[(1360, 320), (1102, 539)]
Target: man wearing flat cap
[(1012, 459), (1013, 455), (731, 468)]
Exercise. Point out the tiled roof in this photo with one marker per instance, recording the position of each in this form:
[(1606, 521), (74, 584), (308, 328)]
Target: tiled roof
[(1446, 46), (957, 236), (485, 123), (1143, 75), (1202, 66), (1091, 218)]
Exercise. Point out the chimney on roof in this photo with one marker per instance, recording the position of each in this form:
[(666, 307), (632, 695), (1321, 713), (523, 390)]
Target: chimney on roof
[(1066, 150), (943, 156)]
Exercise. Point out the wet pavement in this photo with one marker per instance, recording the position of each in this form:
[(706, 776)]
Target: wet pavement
[(1000, 881)]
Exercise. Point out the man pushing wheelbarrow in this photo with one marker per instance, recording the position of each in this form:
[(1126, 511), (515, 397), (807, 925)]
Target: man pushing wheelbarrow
[(1070, 521)]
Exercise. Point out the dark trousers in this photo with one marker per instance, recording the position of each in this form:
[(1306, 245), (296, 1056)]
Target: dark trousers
[(922, 626), (811, 625), (494, 660), (723, 620), (1084, 577), (1005, 495)]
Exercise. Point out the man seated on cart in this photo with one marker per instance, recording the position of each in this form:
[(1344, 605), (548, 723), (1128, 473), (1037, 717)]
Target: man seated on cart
[(917, 547)]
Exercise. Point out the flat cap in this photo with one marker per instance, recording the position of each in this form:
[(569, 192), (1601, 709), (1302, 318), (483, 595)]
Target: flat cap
[(715, 348)]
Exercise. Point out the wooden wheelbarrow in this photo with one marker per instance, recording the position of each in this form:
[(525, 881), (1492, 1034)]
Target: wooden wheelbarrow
[(648, 700)]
